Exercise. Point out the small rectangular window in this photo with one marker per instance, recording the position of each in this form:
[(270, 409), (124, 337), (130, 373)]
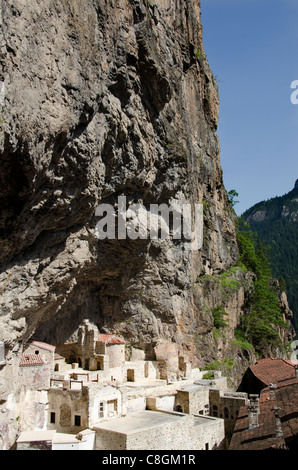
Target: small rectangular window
[(77, 420), (53, 418)]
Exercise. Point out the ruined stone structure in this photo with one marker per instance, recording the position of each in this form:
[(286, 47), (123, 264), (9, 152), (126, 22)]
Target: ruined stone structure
[(106, 354), (93, 351), (227, 405)]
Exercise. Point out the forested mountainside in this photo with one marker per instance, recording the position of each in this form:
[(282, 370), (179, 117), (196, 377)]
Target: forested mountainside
[(276, 223)]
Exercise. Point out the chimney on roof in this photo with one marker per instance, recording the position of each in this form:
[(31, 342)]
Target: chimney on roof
[(272, 387), (279, 432), (253, 411)]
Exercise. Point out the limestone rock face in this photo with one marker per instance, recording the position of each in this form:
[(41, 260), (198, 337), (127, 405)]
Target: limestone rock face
[(100, 100)]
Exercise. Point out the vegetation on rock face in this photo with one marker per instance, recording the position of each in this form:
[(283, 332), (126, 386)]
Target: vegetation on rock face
[(225, 365), (245, 345), (276, 223), (218, 317), (246, 295), (263, 323), (231, 197)]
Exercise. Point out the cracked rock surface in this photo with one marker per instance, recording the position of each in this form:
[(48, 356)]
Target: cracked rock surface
[(102, 99)]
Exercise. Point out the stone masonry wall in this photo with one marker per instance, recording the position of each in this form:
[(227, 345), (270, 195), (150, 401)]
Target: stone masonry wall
[(108, 440), (210, 435)]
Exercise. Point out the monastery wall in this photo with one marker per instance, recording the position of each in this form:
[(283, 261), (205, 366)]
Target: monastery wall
[(165, 403), (109, 440), (227, 405), (193, 401), (169, 436), (116, 353), (104, 403), (135, 404), (209, 434), (36, 377), (67, 405)]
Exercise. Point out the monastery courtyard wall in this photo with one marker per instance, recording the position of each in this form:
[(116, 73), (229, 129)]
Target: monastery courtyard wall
[(159, 430)]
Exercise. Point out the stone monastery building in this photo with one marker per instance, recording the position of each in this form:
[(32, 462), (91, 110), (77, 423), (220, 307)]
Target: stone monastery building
[(87, 395)]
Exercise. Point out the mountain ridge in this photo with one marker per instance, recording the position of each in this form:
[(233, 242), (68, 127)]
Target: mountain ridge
[(274, 207)]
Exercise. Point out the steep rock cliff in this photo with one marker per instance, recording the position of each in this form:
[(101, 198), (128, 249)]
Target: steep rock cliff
[(101, 100)]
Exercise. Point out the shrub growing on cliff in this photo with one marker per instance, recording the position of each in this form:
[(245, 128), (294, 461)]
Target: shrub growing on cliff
[(218, 317), (231, 197)]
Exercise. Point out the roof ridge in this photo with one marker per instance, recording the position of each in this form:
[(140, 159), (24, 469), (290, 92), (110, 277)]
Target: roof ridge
[(106, 338), (43, 345)]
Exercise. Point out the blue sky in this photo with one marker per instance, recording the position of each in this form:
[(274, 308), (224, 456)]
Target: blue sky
[(252, 49)]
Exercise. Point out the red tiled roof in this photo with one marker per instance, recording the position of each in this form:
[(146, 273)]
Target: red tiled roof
[(46, 346), (272, 370), (110, 339), (285, 398), (31, 360)]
